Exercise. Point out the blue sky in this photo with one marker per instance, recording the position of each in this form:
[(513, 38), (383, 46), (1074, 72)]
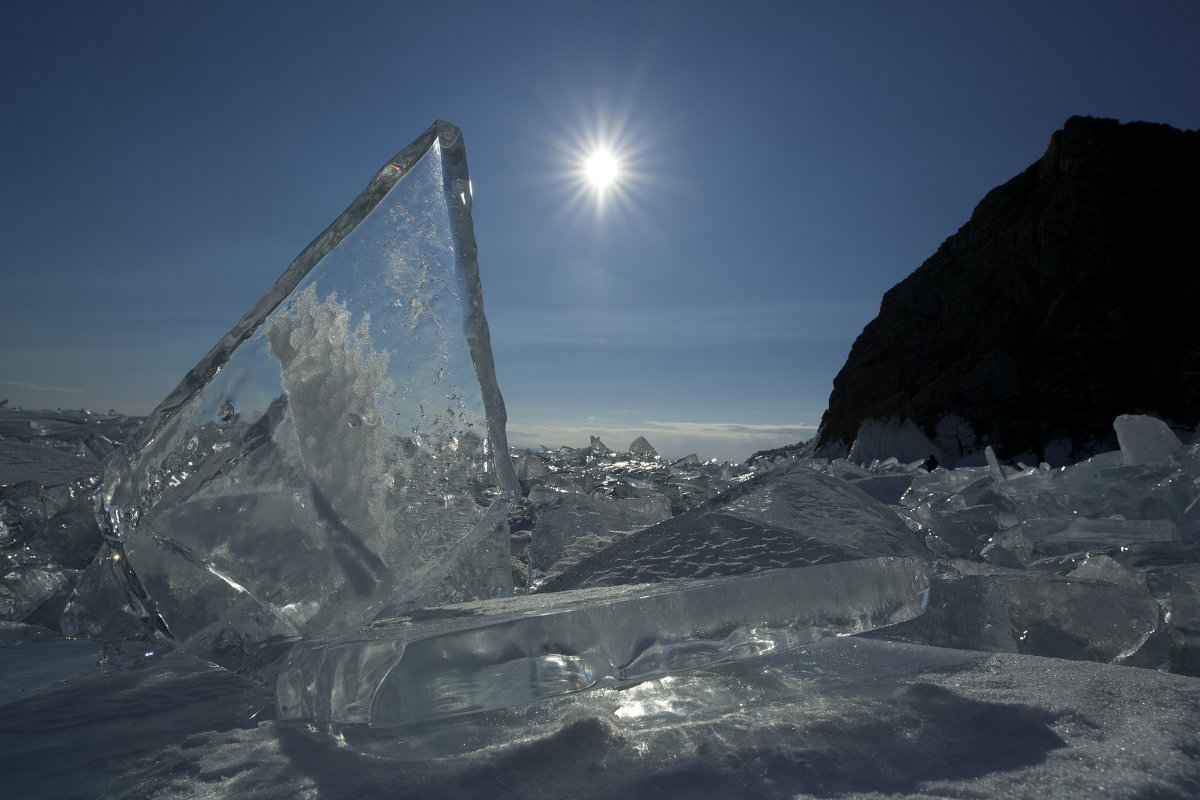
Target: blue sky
[(784, 165)]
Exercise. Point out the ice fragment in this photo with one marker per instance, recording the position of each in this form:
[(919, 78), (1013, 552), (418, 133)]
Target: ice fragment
[(1145, 440), (331, 455), (641, 447), (1093, 614)]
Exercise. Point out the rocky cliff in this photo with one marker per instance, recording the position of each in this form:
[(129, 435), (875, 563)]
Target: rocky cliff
[(1071, 295)]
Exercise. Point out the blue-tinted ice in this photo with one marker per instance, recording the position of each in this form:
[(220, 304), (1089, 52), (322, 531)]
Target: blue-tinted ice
[(332, 453), (473, 657)]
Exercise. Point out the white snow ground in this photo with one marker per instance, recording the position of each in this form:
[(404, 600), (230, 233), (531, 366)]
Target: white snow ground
[(849, 718)]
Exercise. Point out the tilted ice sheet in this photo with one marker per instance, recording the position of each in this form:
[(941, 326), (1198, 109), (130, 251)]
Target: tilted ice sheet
[(329, 454), (571, 525), (791, 516), (1144, 439), (461, 659)]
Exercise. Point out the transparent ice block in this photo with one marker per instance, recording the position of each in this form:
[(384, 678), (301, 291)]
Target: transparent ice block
[(459, 659)]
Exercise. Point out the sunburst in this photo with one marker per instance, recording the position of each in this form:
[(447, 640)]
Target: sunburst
[(602, 169)]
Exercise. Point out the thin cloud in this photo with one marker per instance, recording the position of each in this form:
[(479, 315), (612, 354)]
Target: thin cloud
[(729, 427), (33, 387), (679, 327)]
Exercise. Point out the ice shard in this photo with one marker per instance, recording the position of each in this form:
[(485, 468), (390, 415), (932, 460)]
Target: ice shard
[(1097, 611), (341, 450), (1144, 439), (641, 447)]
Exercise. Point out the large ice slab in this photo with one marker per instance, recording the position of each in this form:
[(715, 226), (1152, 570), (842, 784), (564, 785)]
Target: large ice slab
[(1144, 439), (340, 450), (460, 659)]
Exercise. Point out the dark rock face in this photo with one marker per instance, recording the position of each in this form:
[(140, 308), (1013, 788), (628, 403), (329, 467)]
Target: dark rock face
[(1071, 296)]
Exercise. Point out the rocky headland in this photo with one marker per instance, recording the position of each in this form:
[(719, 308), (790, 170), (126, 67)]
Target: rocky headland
[(1070, 296)]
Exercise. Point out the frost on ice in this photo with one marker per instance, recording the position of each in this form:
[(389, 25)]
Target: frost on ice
[(333, 452)]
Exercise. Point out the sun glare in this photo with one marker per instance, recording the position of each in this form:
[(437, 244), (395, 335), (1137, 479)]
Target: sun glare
[(601, 169)]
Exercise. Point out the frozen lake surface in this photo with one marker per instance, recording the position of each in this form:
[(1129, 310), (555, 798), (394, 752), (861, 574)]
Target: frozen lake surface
[(844, 717), (850, 717)]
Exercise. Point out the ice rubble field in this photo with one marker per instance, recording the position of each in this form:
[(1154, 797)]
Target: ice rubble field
[(317, 569), (991, 710)]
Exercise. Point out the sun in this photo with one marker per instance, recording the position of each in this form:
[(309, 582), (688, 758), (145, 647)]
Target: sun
[(601, 169)]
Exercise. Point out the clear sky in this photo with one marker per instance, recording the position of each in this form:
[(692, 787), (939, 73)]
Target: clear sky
[(782, 166)]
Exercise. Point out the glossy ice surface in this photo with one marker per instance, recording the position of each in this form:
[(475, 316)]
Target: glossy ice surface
[(459, 659)]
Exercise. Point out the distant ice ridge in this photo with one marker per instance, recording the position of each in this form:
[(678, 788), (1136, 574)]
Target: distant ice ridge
[(334, 450), (1146, 492)]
